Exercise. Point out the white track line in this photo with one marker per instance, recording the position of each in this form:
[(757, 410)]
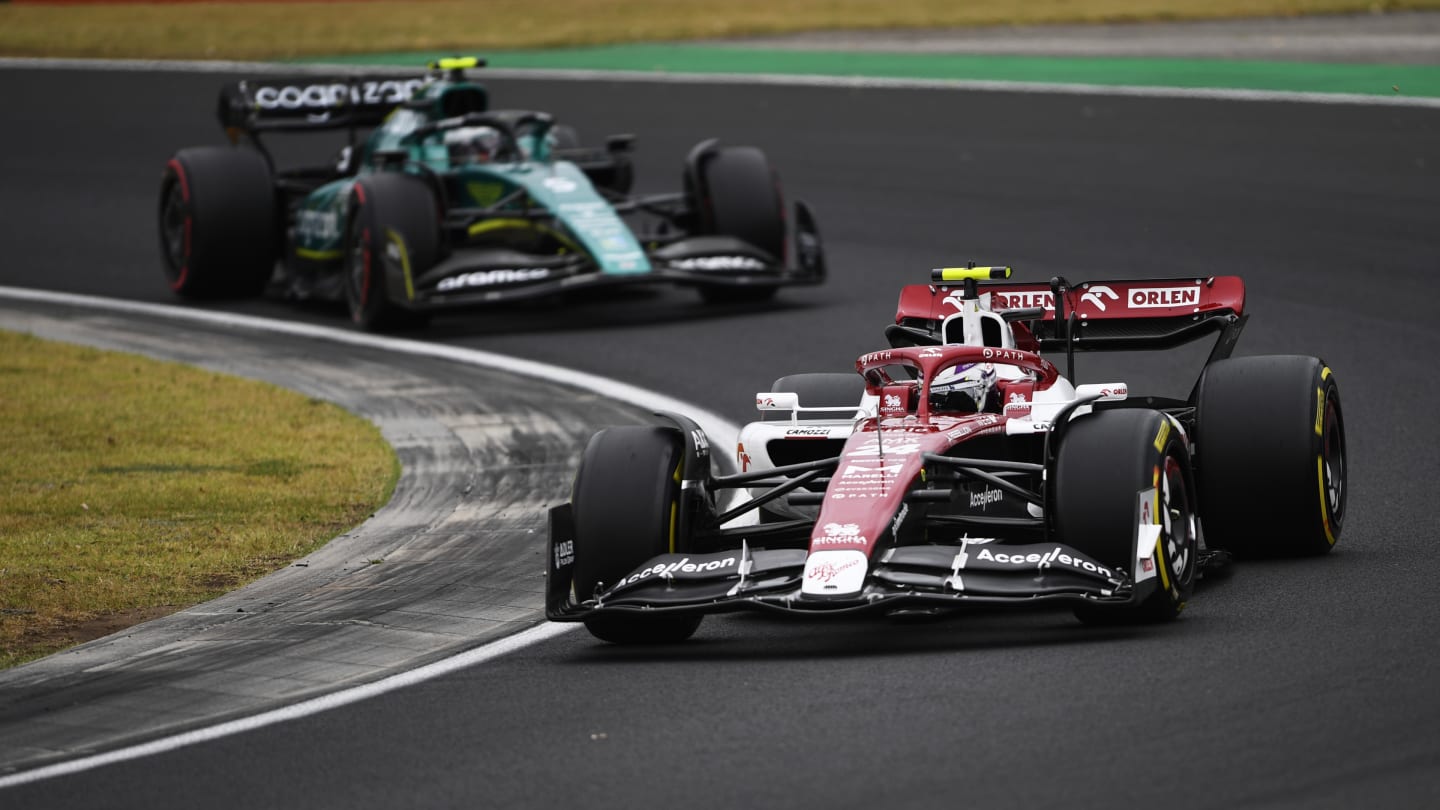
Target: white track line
[(797, 80), (334, 700), (714, 425), (722, 432)]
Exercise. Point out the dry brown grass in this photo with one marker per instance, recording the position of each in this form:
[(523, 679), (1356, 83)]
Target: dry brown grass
[(130, 488), (283, 30)]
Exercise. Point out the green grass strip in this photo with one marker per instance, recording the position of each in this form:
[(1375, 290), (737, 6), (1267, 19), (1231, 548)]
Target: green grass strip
[(1308, 77)]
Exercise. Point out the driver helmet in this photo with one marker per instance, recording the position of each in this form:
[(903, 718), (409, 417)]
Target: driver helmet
[(965, 388), (472, 145)]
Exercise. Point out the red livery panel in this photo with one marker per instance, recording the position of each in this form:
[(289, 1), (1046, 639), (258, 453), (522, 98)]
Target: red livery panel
[(1148, 298)]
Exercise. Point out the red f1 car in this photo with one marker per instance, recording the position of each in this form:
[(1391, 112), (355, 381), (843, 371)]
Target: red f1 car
[(960, 467)]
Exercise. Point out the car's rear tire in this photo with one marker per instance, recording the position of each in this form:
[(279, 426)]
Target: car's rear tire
[(1105, 461), (815, 390), (625, 492), (739, 196), (219, 228), (820, 389), (1270, 452), (395, 214)]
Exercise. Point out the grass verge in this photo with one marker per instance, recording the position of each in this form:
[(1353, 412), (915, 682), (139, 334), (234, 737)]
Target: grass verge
[(280, 30), (131, 488)]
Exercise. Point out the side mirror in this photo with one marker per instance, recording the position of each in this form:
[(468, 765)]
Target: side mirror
[(767, 401), (1105, 392)]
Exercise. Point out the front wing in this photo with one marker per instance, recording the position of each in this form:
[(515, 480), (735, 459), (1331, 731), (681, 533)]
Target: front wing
[(920, 577), (476, 277), (542, 279)]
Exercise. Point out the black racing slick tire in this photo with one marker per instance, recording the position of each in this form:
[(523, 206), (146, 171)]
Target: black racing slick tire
[(625, 494), (739, 196), (393, 236), (1270, 452), (1114, 471), (219, 223), (821, 389)]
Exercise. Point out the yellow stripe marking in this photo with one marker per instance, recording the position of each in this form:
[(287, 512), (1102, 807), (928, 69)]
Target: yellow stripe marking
[(318, 255), (675, 506), (1320, 459), (1324, 499), (404, 262), (1320, 402), (498, 224), (486, 226)]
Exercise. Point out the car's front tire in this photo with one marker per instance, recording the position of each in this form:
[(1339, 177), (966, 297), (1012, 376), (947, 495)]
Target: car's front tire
[(738, 194), (626, 490), (1107, 464), (394, 221)]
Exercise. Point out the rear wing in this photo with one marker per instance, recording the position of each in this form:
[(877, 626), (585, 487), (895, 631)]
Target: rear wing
[(1117, 315), (312, 102)]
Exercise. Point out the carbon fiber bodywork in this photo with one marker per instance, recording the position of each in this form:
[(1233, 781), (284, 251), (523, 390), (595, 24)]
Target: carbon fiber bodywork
[(539, 215), (1041, 492)]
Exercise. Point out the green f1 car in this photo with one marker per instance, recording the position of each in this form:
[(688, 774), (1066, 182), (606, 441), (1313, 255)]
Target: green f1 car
[(446, 203)]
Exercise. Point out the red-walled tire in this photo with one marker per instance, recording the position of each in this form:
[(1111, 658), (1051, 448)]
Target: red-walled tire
[(219, 225), (393, 236)]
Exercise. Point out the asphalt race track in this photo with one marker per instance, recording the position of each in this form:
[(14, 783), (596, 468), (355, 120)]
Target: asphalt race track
[(1286, 684)]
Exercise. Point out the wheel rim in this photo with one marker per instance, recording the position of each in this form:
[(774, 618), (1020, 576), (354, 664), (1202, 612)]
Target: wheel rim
[(1177, 520), (175, 231), (357, 274), (1332, 465)]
